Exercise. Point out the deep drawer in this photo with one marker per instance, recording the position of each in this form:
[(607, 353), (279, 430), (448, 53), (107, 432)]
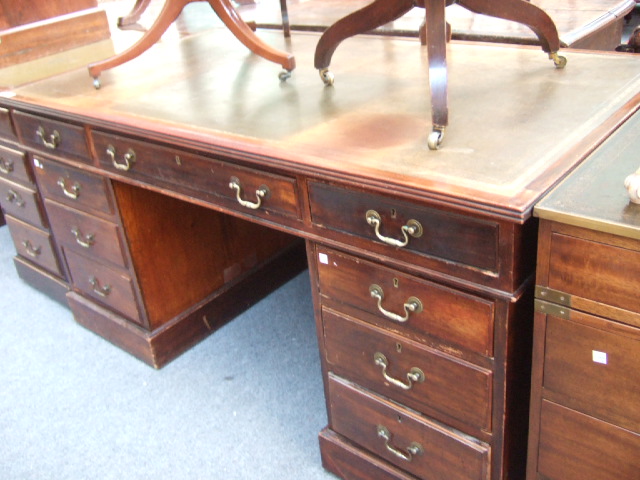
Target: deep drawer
[(595, 271), (419, 377), (442, 235), (21, 202), (254, 191), (594, 369), (34, 245), (73, 187), (457, 318), (113, 288), (407, 440), (13, 166), (574, 446), (86, 234), (52, 136)]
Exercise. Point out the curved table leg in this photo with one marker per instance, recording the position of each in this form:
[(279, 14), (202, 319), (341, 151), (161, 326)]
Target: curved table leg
[(523, 12), (134, 15), (436, 40), (368, 18), (170, 11), (239, 28)]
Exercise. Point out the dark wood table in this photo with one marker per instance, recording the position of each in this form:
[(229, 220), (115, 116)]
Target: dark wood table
[(202, 175)]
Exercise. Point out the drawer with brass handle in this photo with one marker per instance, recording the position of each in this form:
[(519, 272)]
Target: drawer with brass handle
[(111, 287), (245, 189), (13, 166), (405, 304), (422, 378), (412, 442), (22, 203), (73, 187), (34, 244), (86, 233), (54, 137), (401, 228)]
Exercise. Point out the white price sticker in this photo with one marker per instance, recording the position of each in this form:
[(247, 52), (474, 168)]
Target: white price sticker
[(599, 357)]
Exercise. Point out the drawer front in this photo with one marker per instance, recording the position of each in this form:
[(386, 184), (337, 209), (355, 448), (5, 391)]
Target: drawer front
[(405, 439), (73, 187), (574, 446), (52, 136), (21, 202), (595, 271), (594, 369), (421, 378), (13, 166), (86, 234), (113, 288), (456, 318), (34, 245), (444, 236), (6, 129), (253, 191)]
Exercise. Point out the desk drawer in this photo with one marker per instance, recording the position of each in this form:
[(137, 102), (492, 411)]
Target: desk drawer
[(593, 368), (73, 187), (574, 446), (442, 235), (278, 194), (419, 377), (111, 287), (21, 202), (86, 234), (457, 318), (34, 244), (390, 432), (13, 166), (595, 271), (52, 136)]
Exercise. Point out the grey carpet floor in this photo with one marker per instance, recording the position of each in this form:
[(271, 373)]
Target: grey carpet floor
[(246, 403)]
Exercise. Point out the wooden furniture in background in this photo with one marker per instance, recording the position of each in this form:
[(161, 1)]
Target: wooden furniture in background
[(421, 261), (170, 11), (380, 12), (585, 401), (44, 38)]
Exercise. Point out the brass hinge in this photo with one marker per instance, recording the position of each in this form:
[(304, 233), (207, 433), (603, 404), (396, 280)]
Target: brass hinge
[(547, 308), (553, 296)]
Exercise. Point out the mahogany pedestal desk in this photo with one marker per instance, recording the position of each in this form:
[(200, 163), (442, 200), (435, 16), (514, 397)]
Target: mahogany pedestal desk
[(585, 403), (421, 261)]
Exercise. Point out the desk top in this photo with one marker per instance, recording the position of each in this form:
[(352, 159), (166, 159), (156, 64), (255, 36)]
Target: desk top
[(594, 196), (517, 124)]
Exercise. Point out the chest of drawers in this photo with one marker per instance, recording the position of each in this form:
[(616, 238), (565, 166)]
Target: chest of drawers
[(585, 406)]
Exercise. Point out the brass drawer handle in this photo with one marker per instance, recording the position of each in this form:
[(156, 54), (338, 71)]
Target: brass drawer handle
[(30, 249), (98, 289), (6, 166), (261, 193), (413, 228), (52, 142), (128, 158), (15, 197), (411, 451), (412, 305), (83, 240), (73, 192), (415, 375)]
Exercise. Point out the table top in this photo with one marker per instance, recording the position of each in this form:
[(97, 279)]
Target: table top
[(594, 195), (517, 124)]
